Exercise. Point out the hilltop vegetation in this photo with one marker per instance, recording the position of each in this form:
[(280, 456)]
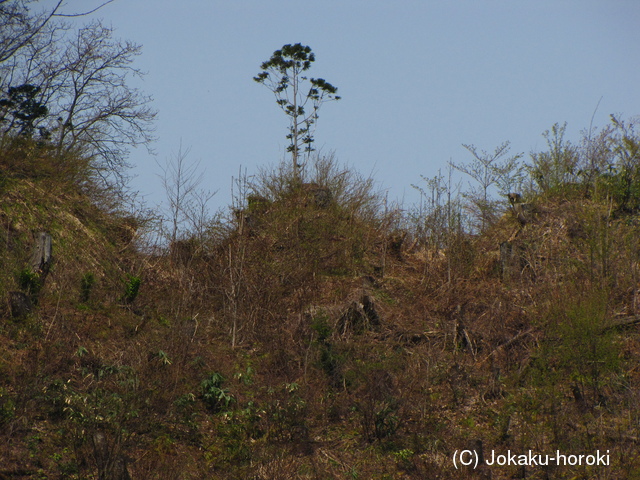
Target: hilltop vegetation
[(313, 330), (319, 333)]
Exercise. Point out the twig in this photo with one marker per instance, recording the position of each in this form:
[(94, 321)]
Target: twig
[(82, 14), (54, 315), (623, 324), (506, 344)]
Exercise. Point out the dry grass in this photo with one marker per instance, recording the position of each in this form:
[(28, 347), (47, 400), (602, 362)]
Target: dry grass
[(345, 352)]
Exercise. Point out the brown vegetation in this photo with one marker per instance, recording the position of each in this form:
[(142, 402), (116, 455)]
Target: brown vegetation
[(323, 339)]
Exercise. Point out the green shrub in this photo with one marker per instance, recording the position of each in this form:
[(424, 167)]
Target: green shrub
[(236, 433), (286, 414), (213, 395), (379, 419), (29, 281), (132, 288), (577, 349), (86, 285), (320, 324), (557, 166)]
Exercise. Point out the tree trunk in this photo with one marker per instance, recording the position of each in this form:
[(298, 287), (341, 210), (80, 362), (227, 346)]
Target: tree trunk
[(41, 257)]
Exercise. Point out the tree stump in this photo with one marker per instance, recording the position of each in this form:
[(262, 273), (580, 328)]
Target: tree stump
[(41, 257), (359, 317)]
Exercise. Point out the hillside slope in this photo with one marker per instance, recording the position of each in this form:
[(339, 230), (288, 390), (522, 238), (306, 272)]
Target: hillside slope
[(316, 342)]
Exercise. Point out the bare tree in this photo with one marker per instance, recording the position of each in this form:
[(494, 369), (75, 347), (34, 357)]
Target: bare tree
[(20, 27), (97, 112), (188, 204), (83, 81), (28, 42), (490, 170)]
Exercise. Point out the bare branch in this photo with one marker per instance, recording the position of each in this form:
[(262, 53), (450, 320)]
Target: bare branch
[(19, 28), (84, 13)]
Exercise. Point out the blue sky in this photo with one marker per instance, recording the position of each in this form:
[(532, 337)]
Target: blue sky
[(417, 79)]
